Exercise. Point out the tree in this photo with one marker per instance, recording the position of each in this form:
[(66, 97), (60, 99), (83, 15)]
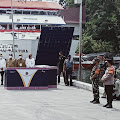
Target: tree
[(87, 44), (103, 24)]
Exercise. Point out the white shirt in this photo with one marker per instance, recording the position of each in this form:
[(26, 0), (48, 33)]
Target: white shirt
[(30, 62), (117, 88), (2, 64)]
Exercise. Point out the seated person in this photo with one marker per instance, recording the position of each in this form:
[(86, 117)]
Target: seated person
[(116, 94)]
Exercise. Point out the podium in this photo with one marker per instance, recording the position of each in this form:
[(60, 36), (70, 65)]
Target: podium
[(31, 78)]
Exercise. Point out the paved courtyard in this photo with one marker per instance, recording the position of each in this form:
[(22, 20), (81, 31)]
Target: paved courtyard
[(63, 103)]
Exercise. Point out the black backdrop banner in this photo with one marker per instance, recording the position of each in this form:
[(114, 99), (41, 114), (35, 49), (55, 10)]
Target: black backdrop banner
[(52, 41)]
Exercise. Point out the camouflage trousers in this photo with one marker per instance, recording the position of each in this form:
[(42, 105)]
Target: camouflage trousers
[(95, 88)]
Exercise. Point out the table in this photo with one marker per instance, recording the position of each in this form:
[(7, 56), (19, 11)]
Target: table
[(31, 78)]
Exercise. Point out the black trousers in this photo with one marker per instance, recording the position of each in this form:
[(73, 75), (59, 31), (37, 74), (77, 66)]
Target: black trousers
[(2, 73), (59, 73), (109, 92), (68, 74)]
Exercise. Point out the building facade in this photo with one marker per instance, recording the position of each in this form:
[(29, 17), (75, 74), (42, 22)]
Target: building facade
[(71, 17)]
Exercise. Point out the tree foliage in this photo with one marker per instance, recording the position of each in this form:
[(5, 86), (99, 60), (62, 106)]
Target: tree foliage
[(102, 28)]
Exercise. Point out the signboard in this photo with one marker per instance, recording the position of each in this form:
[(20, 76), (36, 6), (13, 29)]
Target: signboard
[(26, 28), (21, 46)]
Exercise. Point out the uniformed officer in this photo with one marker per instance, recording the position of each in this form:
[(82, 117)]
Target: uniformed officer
[(103, 67), (2, 67), (20, 61), (68, 69), (10, 62), (30, 62), (108, 80), (60, 66), (95, 81)]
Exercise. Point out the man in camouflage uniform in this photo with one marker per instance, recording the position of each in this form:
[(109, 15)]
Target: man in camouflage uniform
[(95, 81), (103, 67)]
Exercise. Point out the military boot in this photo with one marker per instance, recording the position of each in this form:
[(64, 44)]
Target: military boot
[(105, 105), (92, 101), (109, 105), (96, 101)]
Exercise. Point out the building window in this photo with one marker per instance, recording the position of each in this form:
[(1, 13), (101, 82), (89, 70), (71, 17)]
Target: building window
[(3, 27), (31, 27), (37, 27), (50, 13), (24, 27), (2, 11), (55, 13), (34, 12), (10, 26), (18, 26), (43, 13), (18, 12), (8, 11), (26, 12)]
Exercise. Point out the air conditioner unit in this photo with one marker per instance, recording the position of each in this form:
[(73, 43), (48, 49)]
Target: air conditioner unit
[(77, 1)]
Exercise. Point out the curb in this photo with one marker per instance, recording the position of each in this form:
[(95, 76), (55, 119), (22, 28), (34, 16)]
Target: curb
[(86, 86)]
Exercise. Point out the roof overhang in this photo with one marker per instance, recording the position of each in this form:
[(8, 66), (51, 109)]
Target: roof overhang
[(31, 5), (32, 19)]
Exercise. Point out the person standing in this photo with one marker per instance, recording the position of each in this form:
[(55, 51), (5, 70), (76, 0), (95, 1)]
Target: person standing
[(30, 62), (20, 61), (10, 62), (68, 69), (108, 80), (95, 81), (2, 67), (103, 67), (60, 66)]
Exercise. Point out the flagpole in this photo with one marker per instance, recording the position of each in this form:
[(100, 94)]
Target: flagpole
[(13, 29), (79, 2), (80, 42)]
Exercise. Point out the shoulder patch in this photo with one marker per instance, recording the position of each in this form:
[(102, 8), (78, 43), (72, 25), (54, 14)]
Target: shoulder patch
[(97, 71)]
